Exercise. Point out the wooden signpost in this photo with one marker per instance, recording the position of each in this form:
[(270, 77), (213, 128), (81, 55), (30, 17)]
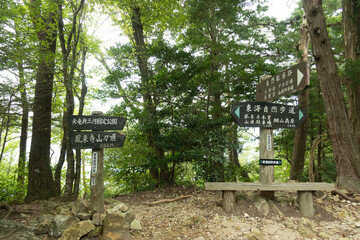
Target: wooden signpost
[(287, 82), (268, 116), (97, 140)]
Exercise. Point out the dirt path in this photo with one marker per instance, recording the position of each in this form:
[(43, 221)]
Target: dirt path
[(201, 216)]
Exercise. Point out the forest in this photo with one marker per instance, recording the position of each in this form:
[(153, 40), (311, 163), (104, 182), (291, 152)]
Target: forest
[(173, 74)]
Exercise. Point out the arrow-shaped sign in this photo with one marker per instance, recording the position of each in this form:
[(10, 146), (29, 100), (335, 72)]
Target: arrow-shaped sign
[(237, 112), (299, 77), (268, 115), (285, 83), (300, 114)]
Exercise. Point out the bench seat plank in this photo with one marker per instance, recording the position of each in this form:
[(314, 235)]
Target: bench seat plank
[(252, 186)]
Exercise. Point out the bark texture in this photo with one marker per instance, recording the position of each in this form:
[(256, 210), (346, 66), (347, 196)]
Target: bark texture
[(346, 152), (298, 157), (41, 182), (351, 25)]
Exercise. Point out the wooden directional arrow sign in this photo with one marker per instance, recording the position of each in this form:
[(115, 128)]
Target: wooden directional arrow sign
[(287, 82), (80, 140), (95, 122), (268, 115)]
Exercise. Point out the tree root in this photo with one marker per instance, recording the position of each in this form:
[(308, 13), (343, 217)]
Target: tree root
[(169, 200), (334, 192)]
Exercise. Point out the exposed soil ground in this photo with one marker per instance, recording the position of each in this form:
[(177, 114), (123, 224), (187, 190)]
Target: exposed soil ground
[(198, 214), (201, 216)]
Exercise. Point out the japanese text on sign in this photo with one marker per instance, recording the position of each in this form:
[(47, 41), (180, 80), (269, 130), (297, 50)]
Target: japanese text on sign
[(94, 162), (97, 139), (267, 115), (94, 121)]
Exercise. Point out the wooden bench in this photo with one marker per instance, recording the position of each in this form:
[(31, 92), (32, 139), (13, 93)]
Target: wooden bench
[(305, 199)]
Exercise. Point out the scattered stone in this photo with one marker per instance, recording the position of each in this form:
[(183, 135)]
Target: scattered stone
[(289, 223), (60, 223), (75, 232), (44, 227), (324, 235), (83, 216), (199, 238), (117, 207), (98, 219), (80, 206), (12, 230), (306, 232), (276, 209), (95, 232), (135, 225)]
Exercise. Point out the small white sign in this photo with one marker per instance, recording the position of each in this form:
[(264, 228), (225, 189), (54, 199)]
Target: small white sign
[(268, 142), (94, 161), (92, 181)]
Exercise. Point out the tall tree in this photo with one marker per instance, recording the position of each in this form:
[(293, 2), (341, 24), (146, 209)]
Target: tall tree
[(298, 156), (69, 42), (351, 26), (41, 182), (346, 151)]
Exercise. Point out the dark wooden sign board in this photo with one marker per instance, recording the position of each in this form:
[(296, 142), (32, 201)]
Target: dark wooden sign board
[(270, 162), (95, 139), (95, 122), (288, 82), (268, 115)]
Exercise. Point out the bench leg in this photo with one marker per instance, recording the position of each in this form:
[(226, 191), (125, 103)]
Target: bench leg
[(306, 204), (229, 201)]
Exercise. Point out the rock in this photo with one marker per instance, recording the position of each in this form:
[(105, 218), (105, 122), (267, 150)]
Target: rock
[(262, 206), (305, 232), (80, 206), (186, 222), (118, 235), (289, 223), (64, 210), (60, 223), (199, 238), (198, 219), (11, 230), (135, 225), (75, 232), (44, 227), (98, 219), (324, 235), (116, 206), (117, 224), (83, 216), (95, 232), (276, 209)]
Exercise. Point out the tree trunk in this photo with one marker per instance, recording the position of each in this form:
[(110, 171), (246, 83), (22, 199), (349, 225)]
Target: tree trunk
[(58, 167), (160, 172), (6, 124), (24, 131), (351, 26), (298, 156), (346, 152), (69, 61), (81, 110), (41, 182)]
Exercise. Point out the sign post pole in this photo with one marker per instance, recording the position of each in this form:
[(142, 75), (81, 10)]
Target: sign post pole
[(97, 180), (266, 152)]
